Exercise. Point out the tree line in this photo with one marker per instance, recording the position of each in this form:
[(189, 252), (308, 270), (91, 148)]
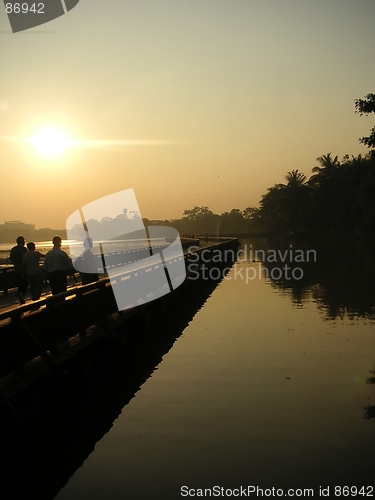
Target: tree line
[(338, 197)]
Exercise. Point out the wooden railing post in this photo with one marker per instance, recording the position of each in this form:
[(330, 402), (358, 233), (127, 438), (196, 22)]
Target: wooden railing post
[(99, 319), (54, 367)]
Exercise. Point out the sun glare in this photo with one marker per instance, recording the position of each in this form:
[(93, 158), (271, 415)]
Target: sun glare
[(50, 142)]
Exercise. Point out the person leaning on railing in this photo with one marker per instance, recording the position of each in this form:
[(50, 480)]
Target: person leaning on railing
[(57, 265)]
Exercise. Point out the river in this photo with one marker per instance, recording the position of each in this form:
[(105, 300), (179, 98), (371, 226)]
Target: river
[(269, 386)]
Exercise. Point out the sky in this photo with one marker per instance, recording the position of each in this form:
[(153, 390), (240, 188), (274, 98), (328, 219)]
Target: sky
[(188, 102)]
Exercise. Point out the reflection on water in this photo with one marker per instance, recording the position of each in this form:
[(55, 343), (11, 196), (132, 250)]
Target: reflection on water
[(267, 386), (340, 280)]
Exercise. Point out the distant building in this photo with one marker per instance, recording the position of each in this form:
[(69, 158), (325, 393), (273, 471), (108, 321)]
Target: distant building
[(17, 224), (11, 229)]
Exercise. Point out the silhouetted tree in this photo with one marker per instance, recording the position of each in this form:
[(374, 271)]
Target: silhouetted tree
[(272, 209), (198, 220), (364, 107), (325, 173), (251, 213), (284, 208), (295, 179), (324, 194), (196, 213), (232, 222)]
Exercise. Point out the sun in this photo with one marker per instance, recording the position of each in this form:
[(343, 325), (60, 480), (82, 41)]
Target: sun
[(50, 142)]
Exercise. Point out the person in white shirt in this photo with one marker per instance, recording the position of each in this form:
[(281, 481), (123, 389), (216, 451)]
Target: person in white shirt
[(56, 265), (30, 266)]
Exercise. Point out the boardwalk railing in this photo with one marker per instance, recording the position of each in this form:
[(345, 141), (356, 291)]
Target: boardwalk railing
[(37, 328), (8, 279)]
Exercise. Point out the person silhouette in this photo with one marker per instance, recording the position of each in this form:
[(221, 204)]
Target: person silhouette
[(57, 265), (30, 266), (90, 263), (16, 255)]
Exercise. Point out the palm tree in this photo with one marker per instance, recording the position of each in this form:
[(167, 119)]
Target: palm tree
[(295, 179), (325, 186), (327, 169), (284, 208)]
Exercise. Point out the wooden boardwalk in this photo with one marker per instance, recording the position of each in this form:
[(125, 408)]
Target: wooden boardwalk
[(10, 301), (45, 337)]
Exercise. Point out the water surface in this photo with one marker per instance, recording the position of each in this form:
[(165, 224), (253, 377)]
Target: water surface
[(268, 386)]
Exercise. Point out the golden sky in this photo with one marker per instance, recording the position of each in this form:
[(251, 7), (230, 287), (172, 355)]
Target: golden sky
[(238, 92)]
